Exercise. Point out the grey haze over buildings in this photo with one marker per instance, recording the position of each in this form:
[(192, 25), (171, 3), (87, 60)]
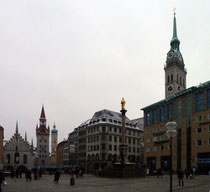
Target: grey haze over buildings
[(79, 57)]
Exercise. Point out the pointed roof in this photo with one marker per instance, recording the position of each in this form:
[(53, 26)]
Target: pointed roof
[(42, 116), (54, 130), (25, 136), (16, 131), (175, 41)]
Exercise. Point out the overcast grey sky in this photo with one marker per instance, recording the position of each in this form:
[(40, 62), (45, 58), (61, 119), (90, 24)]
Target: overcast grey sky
[(80, 56)]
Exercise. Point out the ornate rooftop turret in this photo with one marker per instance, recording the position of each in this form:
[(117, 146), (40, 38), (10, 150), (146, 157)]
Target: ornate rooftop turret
[(16, 130), (54, 130), (25, 136)]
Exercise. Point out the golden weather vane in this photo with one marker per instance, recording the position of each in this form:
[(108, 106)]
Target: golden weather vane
[(174, 11)]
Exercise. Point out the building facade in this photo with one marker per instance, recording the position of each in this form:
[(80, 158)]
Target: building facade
[(18, 153), (60, 154), (42, 135), (73, 148), (104, 136), (190, 109)]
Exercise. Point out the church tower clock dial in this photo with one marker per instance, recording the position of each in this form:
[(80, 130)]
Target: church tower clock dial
[(175, 72)]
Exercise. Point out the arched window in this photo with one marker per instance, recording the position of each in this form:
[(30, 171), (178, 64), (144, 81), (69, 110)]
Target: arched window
[(168, 79), (24, 159), (97, 156), (8, 159), (110, 157), (16, 158), (171, 77)]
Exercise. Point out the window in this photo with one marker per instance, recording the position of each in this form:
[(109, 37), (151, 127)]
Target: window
[(97, 147), (134, 133), (154, 139), (147, 140), (170, 111), (162, 128), (103, 146), (199, 142), (209, 128), (137, 150), (161, 137), (161, 147), (147, 131), (129, 140), (147, 149), (134, 141), (209, 116), (110, 147), (120, 139), (115, 147), (115, 129), (134, 149), (129, 132), (120, 130), (155, 116), (129, 149), (148, 118), (110, 138), (8, 158), (199, 119), (154, 148), (110, 129), (199, 101), (154, 130), (209, 141), (208, 98), (198, 130), (168, 79), (162, 113), (115, 139), (171, 77)]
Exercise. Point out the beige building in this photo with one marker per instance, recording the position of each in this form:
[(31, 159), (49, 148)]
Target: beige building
[(189, 108)]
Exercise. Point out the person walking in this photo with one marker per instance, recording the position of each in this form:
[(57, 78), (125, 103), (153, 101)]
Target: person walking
[(180, 176), (2, 179), (57, 176)]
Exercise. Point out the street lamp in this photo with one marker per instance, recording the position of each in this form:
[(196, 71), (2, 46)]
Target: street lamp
[(170, 133)]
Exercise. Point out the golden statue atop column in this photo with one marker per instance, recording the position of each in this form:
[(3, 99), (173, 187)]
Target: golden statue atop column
[(123, 104)]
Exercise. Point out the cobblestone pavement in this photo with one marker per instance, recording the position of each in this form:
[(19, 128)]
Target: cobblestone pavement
[(95, 184)]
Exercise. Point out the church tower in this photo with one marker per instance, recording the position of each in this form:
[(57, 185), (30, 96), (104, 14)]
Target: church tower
[(54, 140), (42, 135), (175, 72)]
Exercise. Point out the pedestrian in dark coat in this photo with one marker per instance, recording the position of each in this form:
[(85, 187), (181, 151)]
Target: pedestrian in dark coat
[(1, 179), (180, 176), (57, 176)]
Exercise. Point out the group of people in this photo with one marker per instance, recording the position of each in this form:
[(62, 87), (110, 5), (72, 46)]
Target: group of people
[(189, 173), (28, 174)]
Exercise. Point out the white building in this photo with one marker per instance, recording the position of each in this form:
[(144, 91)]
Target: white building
[(18, 153)]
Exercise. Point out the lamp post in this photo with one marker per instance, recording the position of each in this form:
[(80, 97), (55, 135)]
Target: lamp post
[(170, 133)]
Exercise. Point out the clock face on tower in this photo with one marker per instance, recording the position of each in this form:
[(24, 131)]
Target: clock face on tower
[(170, 55), (170, 88)]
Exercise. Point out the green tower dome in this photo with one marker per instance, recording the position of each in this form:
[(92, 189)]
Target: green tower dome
[(54, 130)]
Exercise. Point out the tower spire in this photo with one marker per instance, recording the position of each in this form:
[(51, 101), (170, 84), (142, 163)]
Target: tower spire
[(175, 41), (42, 116), (25, 136), (16, 131)]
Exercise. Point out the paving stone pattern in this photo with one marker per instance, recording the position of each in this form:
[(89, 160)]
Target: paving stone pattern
[(95, 184)]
